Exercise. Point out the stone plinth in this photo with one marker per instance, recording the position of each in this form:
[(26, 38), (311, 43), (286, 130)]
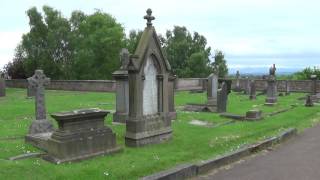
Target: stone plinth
[(254, 115), (81, 135), (271, 92), (171, 85), (122, 96)]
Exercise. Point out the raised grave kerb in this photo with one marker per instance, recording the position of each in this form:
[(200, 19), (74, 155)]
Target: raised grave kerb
[(148, 73)]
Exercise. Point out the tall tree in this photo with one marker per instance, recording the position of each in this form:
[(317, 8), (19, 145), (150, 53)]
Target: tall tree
[(184, 50), (220, 63)]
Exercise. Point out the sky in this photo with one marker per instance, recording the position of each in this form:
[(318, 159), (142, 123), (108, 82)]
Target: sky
[(253, 34)]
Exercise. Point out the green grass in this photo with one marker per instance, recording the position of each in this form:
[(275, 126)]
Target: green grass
[(189, 144)]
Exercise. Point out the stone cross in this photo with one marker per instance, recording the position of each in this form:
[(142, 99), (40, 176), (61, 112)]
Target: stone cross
[(38, 81), (149, 17)]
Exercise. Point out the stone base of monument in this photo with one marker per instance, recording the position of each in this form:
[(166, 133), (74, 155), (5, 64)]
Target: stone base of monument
[(254, 115), (200, 108), (150, 129), (39, 133), (173, 115), (81, 135), (270, 101), (39, 140), (120, 117)]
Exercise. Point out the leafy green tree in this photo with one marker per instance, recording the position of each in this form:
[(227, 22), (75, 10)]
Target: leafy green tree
[(133, 40), (220, 63), (98, 40), (183, 50), (15, 68), (306, 73)]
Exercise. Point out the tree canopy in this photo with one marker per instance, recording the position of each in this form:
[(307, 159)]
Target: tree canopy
[(87, 47)]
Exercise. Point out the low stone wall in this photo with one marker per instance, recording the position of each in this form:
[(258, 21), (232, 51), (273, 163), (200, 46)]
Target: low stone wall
[(70, 85), (295, 85), (181, 84)]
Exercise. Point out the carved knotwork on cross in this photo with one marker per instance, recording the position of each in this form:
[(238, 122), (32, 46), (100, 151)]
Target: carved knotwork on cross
[(149, 17), (39, 79)]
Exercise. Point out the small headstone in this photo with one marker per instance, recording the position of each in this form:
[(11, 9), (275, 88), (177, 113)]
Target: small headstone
[(40, 125), (212, 90), (247, 86), (81, 135), (2, 85), (309, 102), (30, 91), (254, 115), (287, 88), (252, 90), (222, 98), (272, 87)]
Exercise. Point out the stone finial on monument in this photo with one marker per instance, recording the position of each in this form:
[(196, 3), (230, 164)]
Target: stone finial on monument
[(2, 85), (122, 89), (222, 98), (272, 87), (237, 88), (40, 125), (148, 74), (252, 95)]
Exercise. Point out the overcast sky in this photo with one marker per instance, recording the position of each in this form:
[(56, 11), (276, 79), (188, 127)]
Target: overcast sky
[(252, 33)]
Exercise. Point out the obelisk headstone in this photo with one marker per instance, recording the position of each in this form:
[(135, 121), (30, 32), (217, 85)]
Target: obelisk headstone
[(272, 87), (40, 125), (2, 85)]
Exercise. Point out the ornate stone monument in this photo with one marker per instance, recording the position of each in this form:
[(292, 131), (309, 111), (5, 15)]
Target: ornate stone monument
[(272, 87), (81, 135), (2, 85), (122, 89), (40, 127), (148, 74), (252, 95)]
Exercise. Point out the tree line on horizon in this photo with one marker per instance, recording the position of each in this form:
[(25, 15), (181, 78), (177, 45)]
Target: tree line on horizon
[(87, 47)]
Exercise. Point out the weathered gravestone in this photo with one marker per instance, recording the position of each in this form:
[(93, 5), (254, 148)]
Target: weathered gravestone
[(287, 88), (247, 86), (122, 89), (212, 92), (2, 85), (40, 128), (272, 87), (252, 95), (30, 91), (238, 87), (81, 135), (148, 73), (314, 96), (309, 102), (222, 98)]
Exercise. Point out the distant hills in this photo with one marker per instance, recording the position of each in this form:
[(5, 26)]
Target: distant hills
[(263, 70)]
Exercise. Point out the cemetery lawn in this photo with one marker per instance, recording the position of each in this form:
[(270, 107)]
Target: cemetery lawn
[(190, 143)]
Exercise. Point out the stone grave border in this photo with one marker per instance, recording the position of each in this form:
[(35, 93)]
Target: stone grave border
[(184, 171)]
